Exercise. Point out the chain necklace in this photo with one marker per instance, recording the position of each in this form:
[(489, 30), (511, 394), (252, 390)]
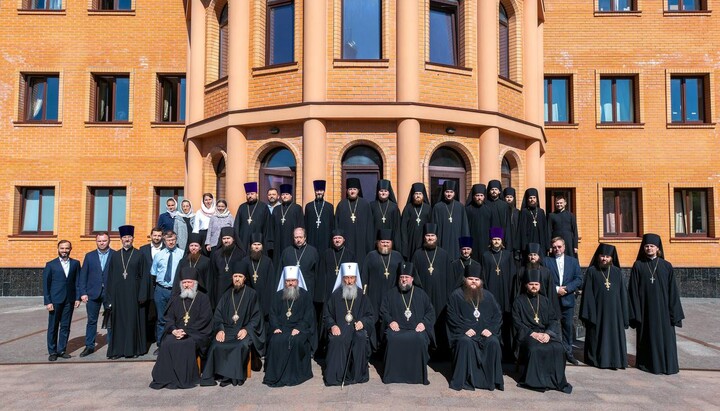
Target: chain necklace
[(652, 272), (227, 260), (318, 221), (536, 312), (301, 254), (476, 312), (352, 212), (418, 213), (450, 210), (288, 314), (255, 269), (349, 317), (125, 266), (186, 317), (235, 316), (337, 263), (534, 216), (607, 278), (249, 220), (497, 262), (408, 312), (191, 264), (383, 213), (387, 266), (430, 269), (283, 213)]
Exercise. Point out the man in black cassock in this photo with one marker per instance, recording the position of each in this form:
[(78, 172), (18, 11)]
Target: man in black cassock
[(319, 219), (379, 272), (562, 223), (604, 310), (416, 213), (354, 216), (349, 319), (409, 320), (330, 261), (451, 219), (655, 308), (283, 221), (221, 261), (436, 276), (386, 214), (532, 224), (500, 277), (292, 327), (509, 196), (252, 217), (260, 273), (304, 256), (537, 330), (194, 258), (500, 212), (533, 261), (127, 290), (465, 259), (238, 327), (188, 329), (473, 325), (478, 220)]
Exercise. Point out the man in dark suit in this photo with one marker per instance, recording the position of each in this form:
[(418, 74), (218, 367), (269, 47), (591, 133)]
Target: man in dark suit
[(148, 252), (59, 291), (567, 277), (91, 287)]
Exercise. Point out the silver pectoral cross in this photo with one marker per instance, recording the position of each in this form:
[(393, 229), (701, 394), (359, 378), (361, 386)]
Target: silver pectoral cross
[(250, 220), (282, 220), (352, 217), (124, 275), (450, 218), (417, 220), (318, 222)]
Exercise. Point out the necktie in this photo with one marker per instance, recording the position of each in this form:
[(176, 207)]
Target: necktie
[(168, 270)]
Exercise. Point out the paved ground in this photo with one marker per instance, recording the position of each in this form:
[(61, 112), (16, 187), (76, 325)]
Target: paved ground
[(28, 381)]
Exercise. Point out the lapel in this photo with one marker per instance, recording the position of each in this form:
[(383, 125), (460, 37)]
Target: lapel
[(555, 269), (58, 267)]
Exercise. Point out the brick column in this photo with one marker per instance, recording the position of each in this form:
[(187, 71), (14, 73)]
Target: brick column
[(408, 155), (314, 157), (196, 83), (487, 67), (194, 172), (531, 86), (533, 171), (235, 167), (314, 49)]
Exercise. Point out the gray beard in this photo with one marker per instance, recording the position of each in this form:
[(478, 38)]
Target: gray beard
[(404, 288), (238, 287), (384, 250), (349, 292), (189, 292), (290, 293)]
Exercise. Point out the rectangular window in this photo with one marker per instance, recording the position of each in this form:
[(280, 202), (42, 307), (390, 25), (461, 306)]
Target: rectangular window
[(617, 100), (444, 32), (621, 213), (37, 210), (616, 5), (691, 212), (112, 98), (685, 5), (113, 4), (171, 102), (108, 208), (687, 99), (42, 4), (280, 32), (557, 100), (361, 35), (162, 194), (41, 97), (552, 193)]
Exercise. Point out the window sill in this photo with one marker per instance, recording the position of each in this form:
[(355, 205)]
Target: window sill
[(690, 125), (91, 237), (511, 84), (562, 126), (379, 63), (621, 239), (631, 13), (32, 237), (444, 68), (275, 69), (681, 13), (109, 124), (41, 12), (620, 125), (164, 124), (691, 239), (37, 123), (93, 12)]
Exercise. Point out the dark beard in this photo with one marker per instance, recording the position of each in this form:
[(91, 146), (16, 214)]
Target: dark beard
[(404, 288), (290, 293), (429, 246), (194, 258), (338, 249), (238, 287), (473, 296), (256, 255), (227, 250), (533, 265)]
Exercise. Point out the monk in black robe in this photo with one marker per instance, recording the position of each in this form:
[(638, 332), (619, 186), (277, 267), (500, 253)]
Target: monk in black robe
[(188, 329), (354, 216), (473, 326), (537, 329), (465, 259), (304, 256), (532, 224), (478, 220), (252, 217), (261, 274), (562, 223), (533, 261), (500, 277), (451, 219), (127, 289), (194, 258), (349, 319), (330, 261), (238, 327), (283, 221), (509, 196), (415, 215), (386, 214), (604, 310), (379, 271), (655, 308), (319, 219), (500, 213), (409, 320), (221, 262), (292, 327)]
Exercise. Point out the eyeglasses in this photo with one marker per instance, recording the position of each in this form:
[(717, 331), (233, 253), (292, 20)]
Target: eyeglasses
[(558, 246)]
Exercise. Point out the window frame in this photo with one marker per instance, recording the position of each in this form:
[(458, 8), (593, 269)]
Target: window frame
[(567, 192), (271, 4), (91, 221), (703, 98), (568, 99), (96, 97), (27, 96), (157, 197), (701, 6), (503, 52), (22, 191), (633, 7), (223, 41), (342, 34), (30, 5), (449, 7), (619, 212), (634, 98), (459, 174), (98, 6), (686, 198), (160, 101), (287, 173)]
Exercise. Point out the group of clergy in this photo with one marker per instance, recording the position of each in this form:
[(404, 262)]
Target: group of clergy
[(346, 281)]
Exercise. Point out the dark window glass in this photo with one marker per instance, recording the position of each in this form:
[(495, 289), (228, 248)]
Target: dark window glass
[(45, 4), (38, 210), (278, 167), (224, 37), (615, 5), (42, 98), (364, 163), (620, 213), (504, 43), (114, 4), (557, 100), (446, 165), (687, 99), (163, 194), (281, 32), (691, 212), (552, 193), (361, 29), (444, 32), (685, 5), (172, 105), (505, 173), (112, 98), (108, 209), (617, 100)]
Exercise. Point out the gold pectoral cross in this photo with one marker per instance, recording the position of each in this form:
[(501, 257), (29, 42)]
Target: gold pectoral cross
[(537, 320), (431, 269), (186, 317), (607, 284), (255, 277), (352, 217), (387, 274), (337, 270), (497, 270)]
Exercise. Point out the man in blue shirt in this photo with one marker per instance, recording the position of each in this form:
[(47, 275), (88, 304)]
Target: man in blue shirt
[(91, 287), (164, 268)]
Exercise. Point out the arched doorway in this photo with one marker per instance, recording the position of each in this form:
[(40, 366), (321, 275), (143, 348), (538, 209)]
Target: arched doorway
[(278, 167), (506, 173), (365, 164), (447, 164)]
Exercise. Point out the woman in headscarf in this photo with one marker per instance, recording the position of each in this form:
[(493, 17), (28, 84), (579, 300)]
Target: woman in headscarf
[(221, 218), (184, 223)]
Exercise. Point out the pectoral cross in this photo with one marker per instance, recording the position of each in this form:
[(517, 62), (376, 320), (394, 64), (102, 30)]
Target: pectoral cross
[(417, 220), (282, 220), (450, 218), (125, 275), (431, 269), (337, 270), (534, 223), (255, 277), (250, 220), (497, 270), (537, 320), (186, 317), (352, 217), (652, 280), (383, 220), (387, 274), (607, 284), (318, 222)]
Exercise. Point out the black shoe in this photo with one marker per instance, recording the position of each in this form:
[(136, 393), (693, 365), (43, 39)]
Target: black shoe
[(87, 351), (64, 355), (255, 363), (567, 389), (571, 359), (157, 351), (225, 383), (52, 357)]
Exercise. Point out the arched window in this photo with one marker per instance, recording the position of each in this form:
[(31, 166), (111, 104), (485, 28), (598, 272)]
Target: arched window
[(505, 173), (446, 164), (278, 167), (223, 52), (504, 43), (364, 163), (219, 168)]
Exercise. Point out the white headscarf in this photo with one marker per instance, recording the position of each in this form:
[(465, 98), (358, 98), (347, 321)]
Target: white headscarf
[(224, 213), (348, 270), (180, 213), (172, 213), (291, 272), (208, 211)]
